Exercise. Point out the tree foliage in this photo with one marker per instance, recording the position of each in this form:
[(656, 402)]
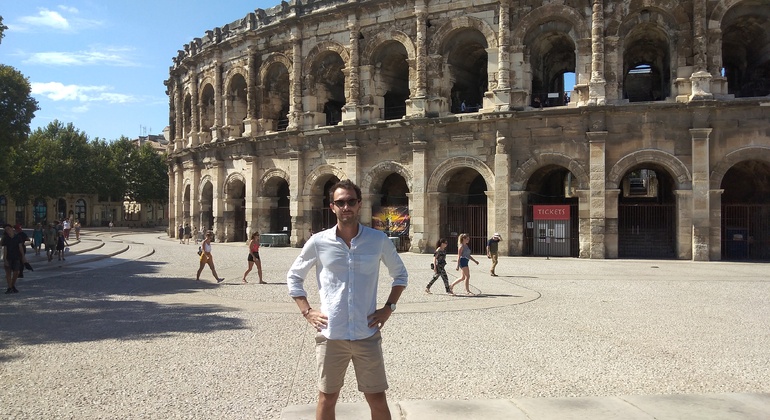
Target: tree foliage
[(17, 108), (59, 159)]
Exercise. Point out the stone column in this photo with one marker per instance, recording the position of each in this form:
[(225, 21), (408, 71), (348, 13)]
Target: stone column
[(195, 202), (683, 225), (216, 130), (416, 105), (179, 195), (251, 123), (597, 193), (501, 202), (518, 200), (194, 112), (172, 203), (715, 246), (179, 97), (352, 167), (218, 205), (295, 107), (353, 88), (300, 228), (701, 78), (611, 235), (596, 92), (701, 193), (584, 223), (501, 95), (418, 200), (253, 193)]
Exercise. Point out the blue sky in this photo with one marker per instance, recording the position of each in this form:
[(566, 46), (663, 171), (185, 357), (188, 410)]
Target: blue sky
[(100, 64)]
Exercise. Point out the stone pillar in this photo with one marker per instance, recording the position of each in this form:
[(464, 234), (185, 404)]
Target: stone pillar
[(195, 202), (216, 130), (611, 235), (715, 246), (300, 228), (701, 193), (596, 92), (418, 200), (584, 223), (597, 194), (366, 207), (179, 195), (218, 205), (194, 113), (501, 203), (416, 105), (684, 235), (172, 203), (295, 106), (701, 78), (250, 125), (253, 193), (518, 211), (179, 96), (353, 88), (352, 167), (501, 95)]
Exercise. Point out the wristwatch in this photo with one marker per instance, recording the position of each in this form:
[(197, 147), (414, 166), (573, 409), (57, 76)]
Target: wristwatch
[(392, 306)]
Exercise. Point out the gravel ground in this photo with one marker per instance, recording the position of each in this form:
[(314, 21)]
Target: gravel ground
[(145, 340)]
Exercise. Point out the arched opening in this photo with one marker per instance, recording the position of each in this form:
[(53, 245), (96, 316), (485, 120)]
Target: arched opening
[(39, 211), (187, 118), (548, 232), (552, 55), (746, 211), (237, 108), (391, 78), (235, 211), (466, 53), (61, 209), (329, 86), (391, 214), (207, 105), (275, 105), (80, 210), (647, 214), (646, 65), (280, 212), (463, 209), (746, 49), (186, 202), (323, 217), (207, 207)]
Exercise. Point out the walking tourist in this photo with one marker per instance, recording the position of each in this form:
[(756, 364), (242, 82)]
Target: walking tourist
[(206, 258), (463, 259), (37, 238), (347, 260), (439, 266), (50, 241), (254, 257), (492, 252), (13, 257)]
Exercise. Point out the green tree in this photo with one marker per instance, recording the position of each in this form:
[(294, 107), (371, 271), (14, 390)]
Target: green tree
[(2, 29), (152, 174), (17, 108)]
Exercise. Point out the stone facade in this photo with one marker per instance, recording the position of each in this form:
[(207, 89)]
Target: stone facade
[(457, 111)]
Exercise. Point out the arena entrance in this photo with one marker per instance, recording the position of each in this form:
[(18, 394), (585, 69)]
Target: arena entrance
[(207, 207), (464, 210), (323, 217), (390, 213), (551, 185), (746, 212), (280, 213), (647, 215), (235, 211)]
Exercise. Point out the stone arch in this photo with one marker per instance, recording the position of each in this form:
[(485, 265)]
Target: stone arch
[(380, 171), (731, 159), (205, 179), (232, 72), (236, 176), (669, 13), (718, 13), (312, 187), (671, 163), (208, 80), (464, 22), (525, 171), (380, 38), (438, 177), (323, 47), (551, 12), (268, 179), (275, 58)]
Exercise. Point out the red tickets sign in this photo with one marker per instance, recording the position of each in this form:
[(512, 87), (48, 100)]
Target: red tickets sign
[(556, 212)]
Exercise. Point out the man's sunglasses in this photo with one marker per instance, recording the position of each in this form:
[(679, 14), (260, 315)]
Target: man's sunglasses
[(351, 203)]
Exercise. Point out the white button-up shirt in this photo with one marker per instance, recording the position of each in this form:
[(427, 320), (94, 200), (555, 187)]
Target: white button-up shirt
[(347, 278)]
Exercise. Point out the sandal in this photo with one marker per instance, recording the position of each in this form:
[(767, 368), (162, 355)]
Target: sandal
[(428, 291)]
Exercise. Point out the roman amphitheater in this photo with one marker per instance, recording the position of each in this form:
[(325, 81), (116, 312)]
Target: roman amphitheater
[(582, 128)]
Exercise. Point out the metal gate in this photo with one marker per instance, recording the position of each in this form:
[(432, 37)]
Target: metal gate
[(646, 230), (465, 218), (746, 232), (323, 219)]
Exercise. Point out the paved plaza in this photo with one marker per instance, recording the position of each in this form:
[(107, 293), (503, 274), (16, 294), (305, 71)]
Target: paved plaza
[(122, 329)]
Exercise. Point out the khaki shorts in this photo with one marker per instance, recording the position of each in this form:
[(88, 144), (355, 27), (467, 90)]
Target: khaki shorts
[(333, 357)]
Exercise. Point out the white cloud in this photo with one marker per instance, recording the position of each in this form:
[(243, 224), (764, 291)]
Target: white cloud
[(56, 91), (69, 9), (47, 18), (110, 56)]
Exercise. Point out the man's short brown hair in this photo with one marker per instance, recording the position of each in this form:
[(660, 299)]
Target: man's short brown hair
[(345, 184)]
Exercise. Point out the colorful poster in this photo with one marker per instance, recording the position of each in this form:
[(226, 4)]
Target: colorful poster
[(394, 221)]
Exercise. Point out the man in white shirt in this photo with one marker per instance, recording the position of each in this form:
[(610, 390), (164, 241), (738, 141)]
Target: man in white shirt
[(347, 261)]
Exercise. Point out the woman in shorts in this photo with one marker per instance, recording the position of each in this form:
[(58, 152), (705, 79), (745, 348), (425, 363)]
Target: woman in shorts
[(254, 257), (206, 258), (463, 259)]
